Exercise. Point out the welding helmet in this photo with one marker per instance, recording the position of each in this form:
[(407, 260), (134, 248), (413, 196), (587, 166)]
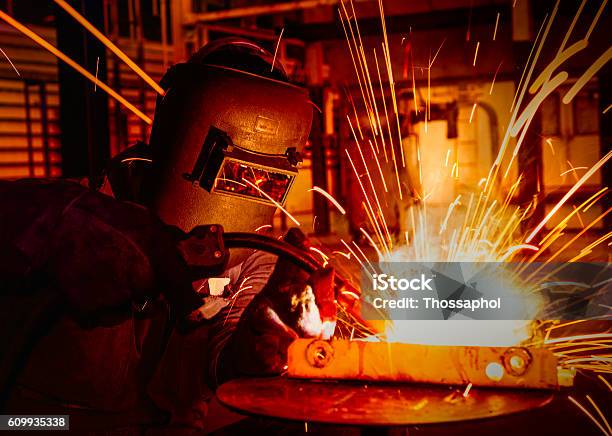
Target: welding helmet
[(226, 138)]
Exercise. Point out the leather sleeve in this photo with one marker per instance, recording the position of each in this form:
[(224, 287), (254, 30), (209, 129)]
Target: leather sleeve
[(100, 253)]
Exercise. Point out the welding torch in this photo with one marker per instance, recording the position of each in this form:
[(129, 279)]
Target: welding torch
[(346, 294)]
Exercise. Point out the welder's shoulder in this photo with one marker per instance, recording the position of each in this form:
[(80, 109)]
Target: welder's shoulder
[(83, 239), (31, 210)]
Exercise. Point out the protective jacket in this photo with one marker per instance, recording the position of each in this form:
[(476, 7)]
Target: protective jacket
[(91, 293)]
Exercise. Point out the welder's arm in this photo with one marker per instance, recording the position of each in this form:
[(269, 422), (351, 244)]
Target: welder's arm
[(99, 253), (290, 304)]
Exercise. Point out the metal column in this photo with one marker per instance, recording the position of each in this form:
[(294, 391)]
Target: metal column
[(83, 111)]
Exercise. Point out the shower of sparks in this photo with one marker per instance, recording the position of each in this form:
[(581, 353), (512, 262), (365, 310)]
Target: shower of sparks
[(496, 24), (331, 199), (476, 53), (276, 51), (483, 225), (10, 62), (362, 70), (544, 85), (60, 55)]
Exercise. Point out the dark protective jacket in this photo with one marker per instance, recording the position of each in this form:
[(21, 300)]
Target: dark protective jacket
[(90, 293)]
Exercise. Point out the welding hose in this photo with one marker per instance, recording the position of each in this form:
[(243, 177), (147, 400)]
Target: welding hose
[(346, 294), (274, 246)]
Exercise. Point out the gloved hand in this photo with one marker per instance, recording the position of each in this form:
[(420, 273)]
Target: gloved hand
[(292, 304)]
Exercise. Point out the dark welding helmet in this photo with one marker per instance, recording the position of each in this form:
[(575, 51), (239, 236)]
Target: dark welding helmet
[(226, 138)]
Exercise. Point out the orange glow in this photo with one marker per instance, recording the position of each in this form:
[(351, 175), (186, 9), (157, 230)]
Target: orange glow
[(60, 55)]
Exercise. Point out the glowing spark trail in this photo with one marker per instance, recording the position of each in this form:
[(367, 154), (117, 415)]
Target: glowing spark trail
[(472, 113), (110, 45), (550, 144), (572, 169), (606, 382), (46, 45), (97, 69), (131, 159), (476, 53), (589, 414), (276, 49), (331, 199), (10, 62), (601, 415), (494, 77), (496, 24), (320, 253)]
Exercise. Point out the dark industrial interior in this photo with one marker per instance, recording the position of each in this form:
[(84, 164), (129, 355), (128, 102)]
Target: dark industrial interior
[(416, 106)]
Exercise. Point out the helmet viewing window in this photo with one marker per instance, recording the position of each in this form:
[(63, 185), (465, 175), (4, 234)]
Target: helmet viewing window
[(225, 168), (240, 178)]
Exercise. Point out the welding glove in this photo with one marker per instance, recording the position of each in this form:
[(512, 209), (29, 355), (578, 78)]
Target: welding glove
[(292, 304)]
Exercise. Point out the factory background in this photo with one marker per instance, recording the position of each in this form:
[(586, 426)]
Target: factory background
[(53, 123)]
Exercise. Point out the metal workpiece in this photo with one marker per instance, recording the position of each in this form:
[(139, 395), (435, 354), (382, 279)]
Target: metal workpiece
[(507, 367)]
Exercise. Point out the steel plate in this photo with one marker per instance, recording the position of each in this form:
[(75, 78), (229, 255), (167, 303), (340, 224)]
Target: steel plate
[(372, 404)]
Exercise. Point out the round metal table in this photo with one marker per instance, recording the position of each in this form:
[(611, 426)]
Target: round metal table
[(371, 404)]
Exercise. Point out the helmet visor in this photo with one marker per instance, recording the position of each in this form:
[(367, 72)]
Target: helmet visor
[(265, 184)]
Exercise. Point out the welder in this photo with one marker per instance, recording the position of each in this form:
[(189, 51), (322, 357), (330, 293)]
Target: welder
[(109, 318)]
